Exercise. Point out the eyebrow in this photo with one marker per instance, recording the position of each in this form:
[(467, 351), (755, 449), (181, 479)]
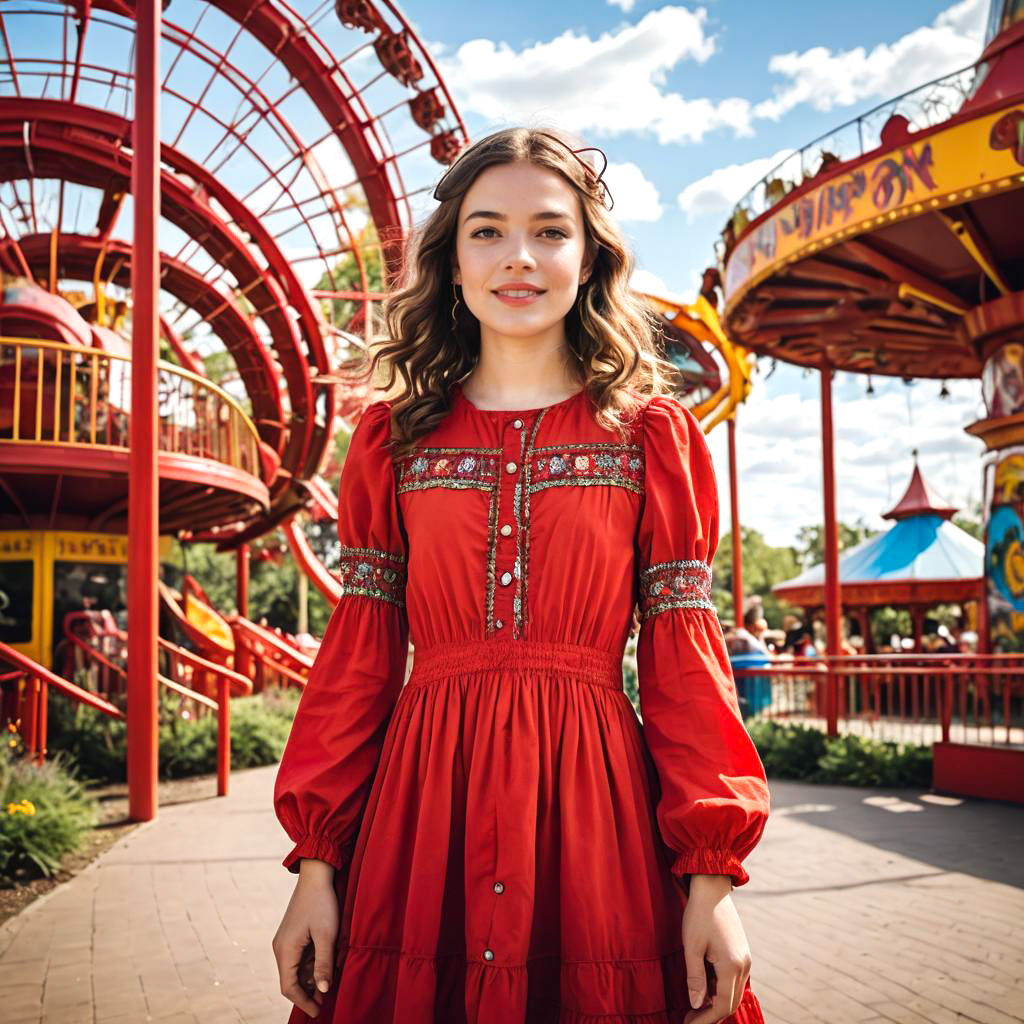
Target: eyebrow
[(494, 215)]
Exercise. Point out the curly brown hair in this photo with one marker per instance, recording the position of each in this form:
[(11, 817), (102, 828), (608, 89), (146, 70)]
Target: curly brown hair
[(614, 336)]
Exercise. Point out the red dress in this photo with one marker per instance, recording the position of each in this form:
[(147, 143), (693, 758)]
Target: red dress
[(510, 840)]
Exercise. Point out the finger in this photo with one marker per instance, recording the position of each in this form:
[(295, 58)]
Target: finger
[(294, 994), (324, 953), (288, 969), (696, 983), (708, 1015), (734, 988)]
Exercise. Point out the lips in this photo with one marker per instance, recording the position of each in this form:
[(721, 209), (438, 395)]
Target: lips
[(532, 288)]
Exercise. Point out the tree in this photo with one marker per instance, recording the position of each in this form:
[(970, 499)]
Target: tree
[(810, 541), (344, 276), (763, 566), (970, 523)]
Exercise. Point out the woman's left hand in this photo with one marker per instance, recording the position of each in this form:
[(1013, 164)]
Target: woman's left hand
[(712, 930)]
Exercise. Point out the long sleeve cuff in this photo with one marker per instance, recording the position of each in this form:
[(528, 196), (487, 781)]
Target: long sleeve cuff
[(705, 860), (319, 848)]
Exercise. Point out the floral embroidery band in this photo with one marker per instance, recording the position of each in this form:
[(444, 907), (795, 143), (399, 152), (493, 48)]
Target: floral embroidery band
[(583, 464), (580, 464), (458, 468), (679, 584), (373, 573)]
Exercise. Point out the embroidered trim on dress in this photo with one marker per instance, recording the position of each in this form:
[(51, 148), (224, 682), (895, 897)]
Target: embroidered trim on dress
[(587, 464), (457, 468), (373, 573), (679, 584)]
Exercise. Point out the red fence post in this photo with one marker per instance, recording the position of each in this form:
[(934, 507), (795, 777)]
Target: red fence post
[(223, 735), (41, 726)]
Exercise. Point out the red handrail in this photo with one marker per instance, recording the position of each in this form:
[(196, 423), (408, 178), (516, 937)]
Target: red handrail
[(27, 706), (919, 690)]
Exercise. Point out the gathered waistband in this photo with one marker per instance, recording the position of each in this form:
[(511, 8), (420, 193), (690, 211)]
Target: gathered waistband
[(443, 661)]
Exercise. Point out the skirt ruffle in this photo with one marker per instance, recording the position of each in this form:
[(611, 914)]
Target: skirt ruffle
[(396, 987)]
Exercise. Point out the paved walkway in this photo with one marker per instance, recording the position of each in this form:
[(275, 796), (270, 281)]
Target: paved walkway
[(864, 906)]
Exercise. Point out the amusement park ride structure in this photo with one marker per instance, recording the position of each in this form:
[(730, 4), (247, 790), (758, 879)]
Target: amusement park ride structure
[(892, 246)]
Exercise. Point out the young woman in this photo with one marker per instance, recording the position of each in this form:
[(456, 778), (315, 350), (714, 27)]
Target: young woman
[(499, 840)]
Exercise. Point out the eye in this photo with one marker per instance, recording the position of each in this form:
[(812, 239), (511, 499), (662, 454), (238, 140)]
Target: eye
[(558, 232)]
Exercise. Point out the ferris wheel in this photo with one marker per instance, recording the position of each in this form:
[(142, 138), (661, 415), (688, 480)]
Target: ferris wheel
[(299, 143)]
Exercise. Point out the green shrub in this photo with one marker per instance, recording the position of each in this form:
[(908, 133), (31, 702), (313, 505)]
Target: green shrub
[(187, 745), (787, 751), (856, 761), (44, 814), (801, 752)]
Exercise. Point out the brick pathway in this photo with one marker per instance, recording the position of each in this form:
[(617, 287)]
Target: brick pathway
[(864, 907)]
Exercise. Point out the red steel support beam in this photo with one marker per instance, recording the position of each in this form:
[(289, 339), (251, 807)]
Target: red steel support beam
[(832, 597), (143, 523), (737, 536), (242, 580)]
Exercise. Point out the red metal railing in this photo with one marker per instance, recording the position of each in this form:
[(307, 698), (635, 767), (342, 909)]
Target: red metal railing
[(207, 685), (25, 693), (266, 657), (964, 698), (53, 393)]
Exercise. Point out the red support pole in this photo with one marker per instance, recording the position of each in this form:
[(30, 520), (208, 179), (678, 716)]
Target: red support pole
[(737, 537), (223, 736), (242, 580), (833, 608), (143, 523)]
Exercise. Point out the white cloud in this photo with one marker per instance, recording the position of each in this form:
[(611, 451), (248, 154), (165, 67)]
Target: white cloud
[(645, 281), (611, 85), (720, 190), (635, 197), (625, 5), (826, 79), (779, 444)]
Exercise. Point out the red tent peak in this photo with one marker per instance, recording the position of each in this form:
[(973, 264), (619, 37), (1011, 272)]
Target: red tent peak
[(919, 500)]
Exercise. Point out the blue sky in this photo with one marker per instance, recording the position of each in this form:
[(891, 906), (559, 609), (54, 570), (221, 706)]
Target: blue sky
[(689, 101)]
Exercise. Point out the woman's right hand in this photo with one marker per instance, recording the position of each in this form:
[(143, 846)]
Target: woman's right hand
[(310, 924)]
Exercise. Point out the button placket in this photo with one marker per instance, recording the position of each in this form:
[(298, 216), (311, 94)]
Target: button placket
[(507, 543)]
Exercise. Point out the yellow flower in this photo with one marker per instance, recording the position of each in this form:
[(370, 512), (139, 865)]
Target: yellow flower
[(12, 743), (22, 807)]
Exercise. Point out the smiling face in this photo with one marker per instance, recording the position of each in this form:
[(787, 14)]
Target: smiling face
[(520, 228)]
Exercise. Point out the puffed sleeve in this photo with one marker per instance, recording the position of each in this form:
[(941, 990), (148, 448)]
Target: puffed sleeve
[(714, 800), (331, 756)]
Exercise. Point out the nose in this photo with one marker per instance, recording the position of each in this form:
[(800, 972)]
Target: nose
[(518, 254)]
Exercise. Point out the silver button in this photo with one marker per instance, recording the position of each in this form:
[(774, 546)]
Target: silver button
[(506, 578), (506, 530), (510, 466), (517, 424), (488, 954), (498, 624), (498, 887)]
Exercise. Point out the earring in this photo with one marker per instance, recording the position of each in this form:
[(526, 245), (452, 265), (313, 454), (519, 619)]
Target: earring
[(455, 321)]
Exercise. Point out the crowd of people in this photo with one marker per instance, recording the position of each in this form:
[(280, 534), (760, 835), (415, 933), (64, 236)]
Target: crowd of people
[(797, 638)]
